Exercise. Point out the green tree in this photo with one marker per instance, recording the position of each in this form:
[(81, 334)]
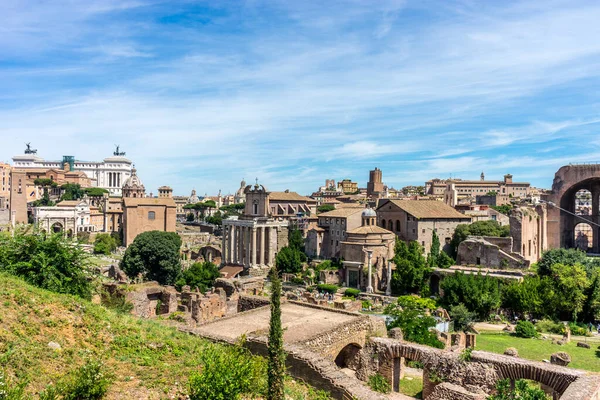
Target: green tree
[(289, 260), (559, 256), (105, 244), (410, 314), (215, 219), (444, 260), (434, 251), (199, 275), (155, 255), (481, 294), (503, 209), (71, 191), (45, 183), (95, 192), (535, 296), (47, 261), (325, 208), (276, 366), (295, 240), (412, 271), (591, 307), (571, 282), (190, 217), (479, 228)]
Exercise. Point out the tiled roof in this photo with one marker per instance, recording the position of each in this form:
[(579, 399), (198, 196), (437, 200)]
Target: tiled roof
[(147, 201), (426, 209), (366, 229), (289, 196), (68, 203), (342, 212)]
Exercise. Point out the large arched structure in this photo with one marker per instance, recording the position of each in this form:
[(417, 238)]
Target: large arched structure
[(568, 181)]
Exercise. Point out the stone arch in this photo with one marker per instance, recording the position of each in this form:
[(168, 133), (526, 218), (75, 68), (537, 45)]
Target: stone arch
[(391, 225), (348, 357), (57, 227), (383, 223)]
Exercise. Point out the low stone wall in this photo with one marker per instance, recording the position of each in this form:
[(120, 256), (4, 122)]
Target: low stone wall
[(247, 303)]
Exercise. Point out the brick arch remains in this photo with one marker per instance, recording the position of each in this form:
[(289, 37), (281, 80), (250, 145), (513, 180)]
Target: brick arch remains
[(568, 180)]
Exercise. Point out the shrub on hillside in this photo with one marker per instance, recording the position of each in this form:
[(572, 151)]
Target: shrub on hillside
[(227, 373), (154, 255), (463, 318), (579, 329), (526, 329), (89, 382), (549, 326), (351, 292), (328, 288), (50, 262), (410, 314)]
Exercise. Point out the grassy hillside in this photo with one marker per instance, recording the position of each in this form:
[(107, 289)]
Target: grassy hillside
[(147, 360)]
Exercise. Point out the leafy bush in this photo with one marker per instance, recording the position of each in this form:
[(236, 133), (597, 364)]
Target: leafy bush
[(227, 374), (463, 318), (116, 302), (410, 315), (412, 272), (479, 293), (289, 260), (379, 384), (526, 329), (50, 262), (328, 288), (10, 390), (105, 244), (154, 255), (298, 280), (466, 354), (351, 292), (199, 275), (90, 382), (522, 391), (550, 326), (478, 228), (579, 329)]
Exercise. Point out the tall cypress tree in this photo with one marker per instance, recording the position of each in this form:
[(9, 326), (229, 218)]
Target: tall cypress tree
[(434, 251), (276, 367)]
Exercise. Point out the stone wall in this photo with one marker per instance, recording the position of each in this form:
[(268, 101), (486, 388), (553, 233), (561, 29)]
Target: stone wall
[(247, 303), (490, 253)]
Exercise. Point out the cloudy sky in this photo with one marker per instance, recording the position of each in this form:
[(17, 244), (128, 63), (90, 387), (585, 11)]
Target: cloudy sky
[(202, 94)]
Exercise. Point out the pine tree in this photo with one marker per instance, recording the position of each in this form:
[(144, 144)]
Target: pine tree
[(276, 367)]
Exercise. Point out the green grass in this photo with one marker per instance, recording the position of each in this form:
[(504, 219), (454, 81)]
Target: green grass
[(413, 387), (147, 359), (539, 349)]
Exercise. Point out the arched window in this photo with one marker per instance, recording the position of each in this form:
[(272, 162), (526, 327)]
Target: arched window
[(151, 215), (383, 223), (584, 237), (397, 225), (583, 202), (391, 225)]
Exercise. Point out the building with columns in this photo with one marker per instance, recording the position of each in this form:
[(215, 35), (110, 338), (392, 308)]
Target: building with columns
[(253, 240), (110, 173)]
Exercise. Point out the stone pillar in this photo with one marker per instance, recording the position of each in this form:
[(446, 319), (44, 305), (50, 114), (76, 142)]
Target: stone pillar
[(347, 272), (262, 246), (269, 245), (225, 245), (239, 230), (388, 289), (254, 246), (369, 278), (594, 218)]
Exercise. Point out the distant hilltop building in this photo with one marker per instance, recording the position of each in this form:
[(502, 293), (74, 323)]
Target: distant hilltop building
[(110, 173), (457, 191)]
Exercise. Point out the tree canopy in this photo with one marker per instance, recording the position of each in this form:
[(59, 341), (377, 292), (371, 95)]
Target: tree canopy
[(410, 314), (412, 272), (325, 208), (71, 191), (154, 255), (479, 293), (198, 275)]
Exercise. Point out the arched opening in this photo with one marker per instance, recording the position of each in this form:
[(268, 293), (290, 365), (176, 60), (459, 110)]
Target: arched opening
[(57, 227), (348, 356), (383, 223), (584, 237), (391, 225), (583, 202), (397, 225)]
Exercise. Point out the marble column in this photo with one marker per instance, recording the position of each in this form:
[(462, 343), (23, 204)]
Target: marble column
[(388, 289), (369, 277), (262, 246), (254, 246), (247, 238), (224, 246)]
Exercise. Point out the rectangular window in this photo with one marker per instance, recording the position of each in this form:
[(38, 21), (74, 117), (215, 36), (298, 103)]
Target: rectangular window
[(151, 215)]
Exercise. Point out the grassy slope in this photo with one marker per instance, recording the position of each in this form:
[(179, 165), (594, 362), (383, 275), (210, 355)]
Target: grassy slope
[(148, 360), (538, 349)]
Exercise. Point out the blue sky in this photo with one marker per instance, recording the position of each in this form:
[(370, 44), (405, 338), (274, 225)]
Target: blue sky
[(202, 94)]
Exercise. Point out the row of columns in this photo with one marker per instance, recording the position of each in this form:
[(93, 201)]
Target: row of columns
[(248, 245), (114, 179)]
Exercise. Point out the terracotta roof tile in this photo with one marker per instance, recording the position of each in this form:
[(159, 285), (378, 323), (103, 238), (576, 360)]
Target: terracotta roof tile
[(427, 209), (289, 196), (342, 212)]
